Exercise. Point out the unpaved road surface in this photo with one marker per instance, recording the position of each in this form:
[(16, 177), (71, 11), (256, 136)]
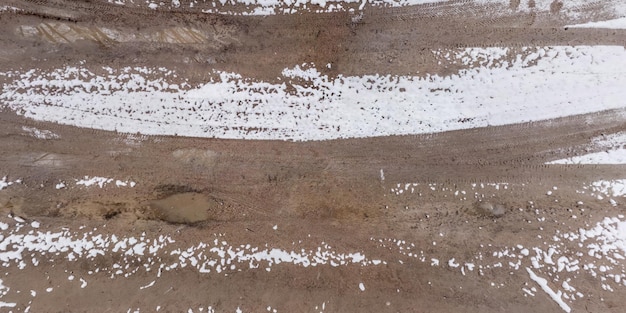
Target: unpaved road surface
[(471, 219)]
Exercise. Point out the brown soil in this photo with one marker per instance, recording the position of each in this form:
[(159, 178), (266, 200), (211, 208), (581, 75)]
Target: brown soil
[(330, 191)]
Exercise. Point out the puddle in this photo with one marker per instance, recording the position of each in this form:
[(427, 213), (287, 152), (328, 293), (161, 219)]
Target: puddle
[(185, 208)]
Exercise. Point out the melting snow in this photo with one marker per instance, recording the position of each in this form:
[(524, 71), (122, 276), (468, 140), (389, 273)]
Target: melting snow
[(609, 188), (40, 134)]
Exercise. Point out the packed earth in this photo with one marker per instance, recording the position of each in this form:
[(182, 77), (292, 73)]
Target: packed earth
[(312, 156)]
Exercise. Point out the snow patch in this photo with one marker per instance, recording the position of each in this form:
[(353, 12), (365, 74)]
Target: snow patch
[(5, 183)]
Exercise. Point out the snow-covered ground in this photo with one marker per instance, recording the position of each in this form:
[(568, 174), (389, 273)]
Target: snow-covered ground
[(539, 83)]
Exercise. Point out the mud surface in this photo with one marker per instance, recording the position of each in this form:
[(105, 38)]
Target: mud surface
[(294, 195)]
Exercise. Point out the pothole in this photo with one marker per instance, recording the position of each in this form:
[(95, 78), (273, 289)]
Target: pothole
[(183, 208)]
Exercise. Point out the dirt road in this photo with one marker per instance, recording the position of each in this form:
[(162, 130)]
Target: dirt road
[(470, 220)]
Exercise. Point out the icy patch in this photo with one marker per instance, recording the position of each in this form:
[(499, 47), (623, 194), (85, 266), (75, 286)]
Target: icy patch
[(540, 84), (618, 23), (40, 134)]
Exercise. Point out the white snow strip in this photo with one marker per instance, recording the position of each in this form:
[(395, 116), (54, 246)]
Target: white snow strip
[(101, 182), (618, 23), (361, 286), (543, 283), (148, 285), (540, 84), (606, 157)]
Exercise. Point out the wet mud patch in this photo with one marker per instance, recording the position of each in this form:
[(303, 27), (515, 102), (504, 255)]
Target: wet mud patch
[(183, 208)]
